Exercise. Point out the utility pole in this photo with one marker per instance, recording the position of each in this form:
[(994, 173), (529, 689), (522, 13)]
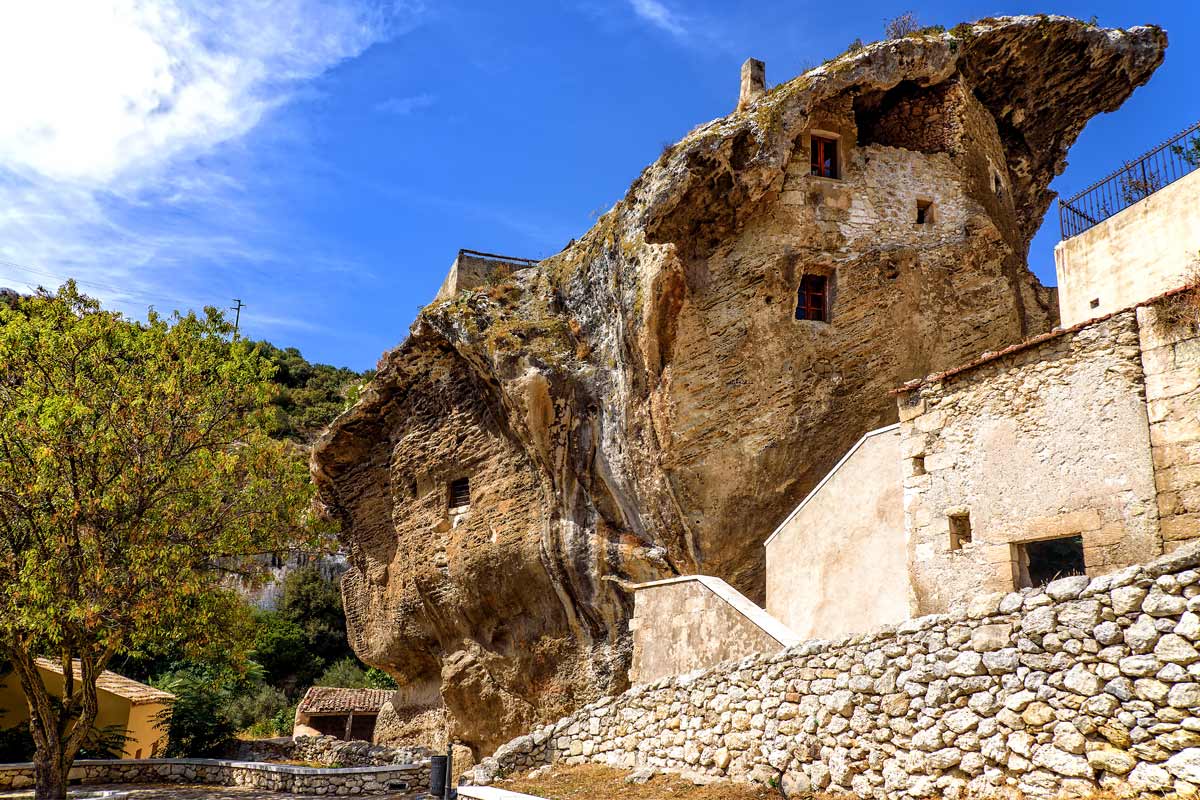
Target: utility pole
[(237, 319)]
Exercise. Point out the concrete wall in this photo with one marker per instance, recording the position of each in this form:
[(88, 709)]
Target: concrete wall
[(1050, 441), (688, 623), (847, 535), (1082, 685), (1132, 256)]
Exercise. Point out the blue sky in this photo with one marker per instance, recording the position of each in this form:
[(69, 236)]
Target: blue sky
[(325, 161)]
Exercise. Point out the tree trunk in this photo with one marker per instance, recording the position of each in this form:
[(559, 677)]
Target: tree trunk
[(50, 776)]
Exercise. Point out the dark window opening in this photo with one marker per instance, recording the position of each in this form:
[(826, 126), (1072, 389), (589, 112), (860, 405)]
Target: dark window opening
[(918, 465), (924, 212), (329, 724), (1095, 302), (824, 157), (997, 185), (960, 531), (1041, 562), (812, 299), (460, 493)]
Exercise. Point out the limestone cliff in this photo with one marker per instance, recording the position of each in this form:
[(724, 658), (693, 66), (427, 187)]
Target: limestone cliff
[(646, 403)]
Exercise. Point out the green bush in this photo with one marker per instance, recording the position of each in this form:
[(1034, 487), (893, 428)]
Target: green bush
[(197, 723), (256, 707)]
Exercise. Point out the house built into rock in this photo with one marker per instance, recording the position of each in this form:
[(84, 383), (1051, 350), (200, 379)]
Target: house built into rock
[(1075, 452), (649, 402)]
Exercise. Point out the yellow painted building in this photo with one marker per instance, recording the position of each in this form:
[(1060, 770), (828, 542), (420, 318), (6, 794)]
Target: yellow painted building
[(125, 703)]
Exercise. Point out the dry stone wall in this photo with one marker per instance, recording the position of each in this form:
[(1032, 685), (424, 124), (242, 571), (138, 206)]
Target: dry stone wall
[(328, 751), (1084, 683)]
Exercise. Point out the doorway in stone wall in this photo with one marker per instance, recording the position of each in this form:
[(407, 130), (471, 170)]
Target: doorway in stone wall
[(1040, 562)]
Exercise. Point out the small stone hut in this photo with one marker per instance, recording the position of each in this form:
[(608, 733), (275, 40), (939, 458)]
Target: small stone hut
[(348, 714)]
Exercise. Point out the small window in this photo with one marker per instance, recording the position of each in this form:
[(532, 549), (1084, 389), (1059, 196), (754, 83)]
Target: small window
[(997, 186), (960, 531), (812, 300), (924, 212), (918, 465), (460, 493), (824, 157), (1041, 562), (1095, 302)]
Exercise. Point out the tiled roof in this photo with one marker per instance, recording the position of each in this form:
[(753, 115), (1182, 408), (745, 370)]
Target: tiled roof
[(135, 692), (335, 700)]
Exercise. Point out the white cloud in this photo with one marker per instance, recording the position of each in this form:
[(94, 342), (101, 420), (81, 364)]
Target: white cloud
[(660, 16), (109, 107), (402, 106)]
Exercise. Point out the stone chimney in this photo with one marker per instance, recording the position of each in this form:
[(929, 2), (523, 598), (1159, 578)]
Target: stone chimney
[(754, 82)]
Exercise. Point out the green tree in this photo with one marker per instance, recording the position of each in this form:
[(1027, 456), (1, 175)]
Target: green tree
[(314, 603), (134, 469), (281, 647)]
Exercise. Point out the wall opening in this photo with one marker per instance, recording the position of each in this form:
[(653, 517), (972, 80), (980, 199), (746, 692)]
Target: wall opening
[(924, 212), (887, 117), (918, 465), (460, 493), (960, 530), (998, 185), (1095, 303), (1038, 563), (812, 298), (824, 152)]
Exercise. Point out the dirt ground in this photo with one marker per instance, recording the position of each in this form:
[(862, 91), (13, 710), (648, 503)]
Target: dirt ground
[(594, 782)]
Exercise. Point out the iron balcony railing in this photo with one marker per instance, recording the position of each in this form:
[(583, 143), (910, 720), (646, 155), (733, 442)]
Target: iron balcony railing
[(1141, 178)]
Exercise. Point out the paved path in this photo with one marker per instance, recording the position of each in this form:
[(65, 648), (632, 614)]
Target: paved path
[(189, 792)]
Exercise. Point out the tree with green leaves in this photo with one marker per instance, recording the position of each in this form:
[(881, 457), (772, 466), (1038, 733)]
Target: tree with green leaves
[(134, 471)]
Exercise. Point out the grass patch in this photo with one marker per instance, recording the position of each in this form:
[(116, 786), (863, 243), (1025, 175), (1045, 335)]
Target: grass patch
[(595, 782)]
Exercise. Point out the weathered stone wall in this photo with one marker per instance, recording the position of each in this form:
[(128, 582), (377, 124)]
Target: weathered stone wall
[(327, 751), (1132, 256), (683, 624), (848, 534), (618, 388), (1050, 441), (471, 270), (1085, 683), (407, 779), (1171, 359)]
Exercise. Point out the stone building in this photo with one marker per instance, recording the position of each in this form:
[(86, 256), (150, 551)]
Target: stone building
[(1076, 451), (641, 405), (347, 714)]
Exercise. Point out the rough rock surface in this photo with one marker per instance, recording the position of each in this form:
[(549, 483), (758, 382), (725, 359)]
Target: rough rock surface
[(644, 404)]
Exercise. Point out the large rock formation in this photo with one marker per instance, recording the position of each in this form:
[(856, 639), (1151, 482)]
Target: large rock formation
[(646, 404)]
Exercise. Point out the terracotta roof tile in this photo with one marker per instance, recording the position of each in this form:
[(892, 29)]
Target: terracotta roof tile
[(335, 700), (135, 692)]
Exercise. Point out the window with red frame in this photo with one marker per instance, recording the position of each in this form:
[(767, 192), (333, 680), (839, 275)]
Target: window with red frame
[(824, 157), (812, 301)]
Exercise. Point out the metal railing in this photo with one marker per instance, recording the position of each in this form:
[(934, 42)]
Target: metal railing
[(494, 257), (1138, 179)]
